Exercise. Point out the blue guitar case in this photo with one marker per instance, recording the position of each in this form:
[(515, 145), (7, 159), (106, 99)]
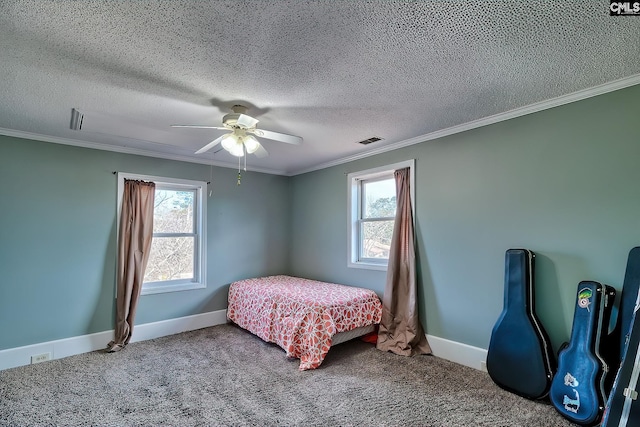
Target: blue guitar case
[(520, 357), (623, 406), (578, 391)]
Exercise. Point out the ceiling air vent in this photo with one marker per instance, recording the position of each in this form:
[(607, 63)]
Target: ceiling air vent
[(76, 119), (370, 140)]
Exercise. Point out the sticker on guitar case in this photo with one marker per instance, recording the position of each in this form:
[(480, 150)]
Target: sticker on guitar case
[(572, 405), (584, 298), (570, 380)]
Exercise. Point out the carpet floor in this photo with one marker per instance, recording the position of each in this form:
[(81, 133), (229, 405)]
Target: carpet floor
[(225, 376)]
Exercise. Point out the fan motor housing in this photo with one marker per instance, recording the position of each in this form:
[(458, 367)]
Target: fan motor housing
[(231, 120)]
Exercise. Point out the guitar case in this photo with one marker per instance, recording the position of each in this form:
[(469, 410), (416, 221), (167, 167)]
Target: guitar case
[(578, 391), (520, 357), (630, 289), (623, 406)]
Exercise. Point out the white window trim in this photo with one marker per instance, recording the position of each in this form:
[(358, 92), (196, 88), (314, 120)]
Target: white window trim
[(352, 211), (201, 206)]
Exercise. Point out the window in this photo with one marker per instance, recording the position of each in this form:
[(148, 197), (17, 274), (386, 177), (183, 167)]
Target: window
[(177, 256), (372, 210)]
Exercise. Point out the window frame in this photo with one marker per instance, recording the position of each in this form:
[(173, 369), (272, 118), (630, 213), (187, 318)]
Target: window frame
[(354, 211), (200, 231)]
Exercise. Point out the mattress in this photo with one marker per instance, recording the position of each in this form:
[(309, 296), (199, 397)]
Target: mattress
[(302, 316)]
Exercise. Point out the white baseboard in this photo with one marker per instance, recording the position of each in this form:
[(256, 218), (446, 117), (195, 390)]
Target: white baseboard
[(58, 349), (163, 328), (463, 354), (473, 357)]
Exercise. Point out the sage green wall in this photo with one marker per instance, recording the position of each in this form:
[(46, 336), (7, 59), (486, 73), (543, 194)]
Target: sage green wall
[(57, 238), (564, 182)]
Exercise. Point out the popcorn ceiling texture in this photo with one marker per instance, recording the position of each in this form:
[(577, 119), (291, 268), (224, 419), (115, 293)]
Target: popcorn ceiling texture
[(333, 72)]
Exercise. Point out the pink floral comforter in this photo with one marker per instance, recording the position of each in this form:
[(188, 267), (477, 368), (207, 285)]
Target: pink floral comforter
[(301, 315)]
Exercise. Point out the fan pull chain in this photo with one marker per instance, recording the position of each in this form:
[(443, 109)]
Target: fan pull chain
[(245, 163)]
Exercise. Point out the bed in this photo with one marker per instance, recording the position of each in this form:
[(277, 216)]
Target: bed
[(304, 317)]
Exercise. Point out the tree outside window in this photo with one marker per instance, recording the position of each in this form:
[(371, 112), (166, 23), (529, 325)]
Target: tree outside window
[(174, 238), (377, 217)]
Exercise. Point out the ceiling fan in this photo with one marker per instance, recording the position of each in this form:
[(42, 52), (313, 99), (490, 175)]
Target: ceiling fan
[(241, 139)]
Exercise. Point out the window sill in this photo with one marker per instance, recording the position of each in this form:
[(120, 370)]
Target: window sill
[(161, 289), (367, 266)]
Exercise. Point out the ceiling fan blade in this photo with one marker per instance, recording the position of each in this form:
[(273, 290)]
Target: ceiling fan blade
[(199, 127), (277, 136), (210, 145), (261, 152), (246, 121)]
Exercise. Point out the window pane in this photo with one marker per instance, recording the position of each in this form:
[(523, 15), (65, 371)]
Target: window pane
[(171, 258), (173, 211), (376, 239), (379, 198)]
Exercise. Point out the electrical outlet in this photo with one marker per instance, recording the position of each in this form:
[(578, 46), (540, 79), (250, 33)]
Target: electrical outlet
[(38, 358), (483, 366)]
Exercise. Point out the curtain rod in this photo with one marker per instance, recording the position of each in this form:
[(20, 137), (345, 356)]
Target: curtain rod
[(115, 172)]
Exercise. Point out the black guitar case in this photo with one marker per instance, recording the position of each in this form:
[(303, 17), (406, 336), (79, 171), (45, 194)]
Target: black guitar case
[(520, 357), (578, 391), (623, 406), (630, 288)]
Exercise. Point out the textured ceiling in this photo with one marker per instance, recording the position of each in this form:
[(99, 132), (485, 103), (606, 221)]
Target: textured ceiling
[(333, 72)]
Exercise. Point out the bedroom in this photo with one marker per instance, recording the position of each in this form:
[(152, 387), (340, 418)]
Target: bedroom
[(560, 181)]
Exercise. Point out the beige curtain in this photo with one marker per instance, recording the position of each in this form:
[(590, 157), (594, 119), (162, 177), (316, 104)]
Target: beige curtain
[(136, 231), (400, 330)]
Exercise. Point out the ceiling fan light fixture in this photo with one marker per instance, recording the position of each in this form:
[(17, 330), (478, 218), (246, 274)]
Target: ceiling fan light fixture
[(251, 143), (237, 150), (233, 145), (228, 141)]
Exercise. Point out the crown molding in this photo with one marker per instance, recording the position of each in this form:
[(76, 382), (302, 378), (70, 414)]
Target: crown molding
[(129, 150), (485, 121)]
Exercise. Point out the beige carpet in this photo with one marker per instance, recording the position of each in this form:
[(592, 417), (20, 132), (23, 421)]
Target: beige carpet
[(226, 376)]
